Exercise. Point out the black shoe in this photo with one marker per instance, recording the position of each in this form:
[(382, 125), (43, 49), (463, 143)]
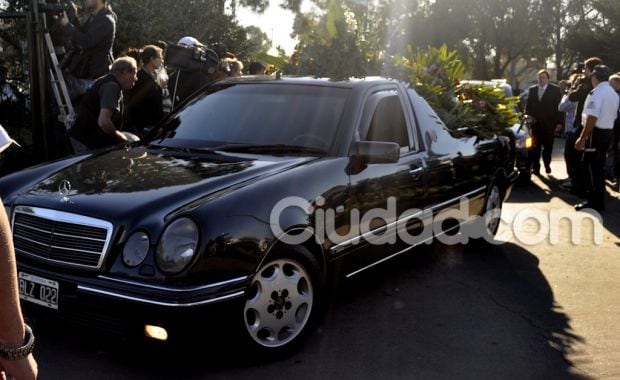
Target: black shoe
[(548, 169), (588, 205)]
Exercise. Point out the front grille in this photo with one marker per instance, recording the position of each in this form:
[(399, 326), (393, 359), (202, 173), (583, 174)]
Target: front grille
[(61, 237)]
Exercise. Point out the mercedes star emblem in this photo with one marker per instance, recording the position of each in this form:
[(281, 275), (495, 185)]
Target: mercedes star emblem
[(65, 189)]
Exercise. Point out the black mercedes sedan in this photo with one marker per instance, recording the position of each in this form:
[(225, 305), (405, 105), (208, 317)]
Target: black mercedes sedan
[(244, 203)]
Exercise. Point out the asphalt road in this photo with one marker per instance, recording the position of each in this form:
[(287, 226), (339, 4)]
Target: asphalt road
[(509, 311)]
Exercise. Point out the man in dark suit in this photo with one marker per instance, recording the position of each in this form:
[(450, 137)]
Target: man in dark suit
[(542, 103)]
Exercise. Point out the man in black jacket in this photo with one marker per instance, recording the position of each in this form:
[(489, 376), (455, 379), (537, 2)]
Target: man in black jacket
[(542, 103), (93, 41)]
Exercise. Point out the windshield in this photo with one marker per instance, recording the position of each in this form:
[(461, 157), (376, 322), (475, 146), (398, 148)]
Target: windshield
[(259, 115)]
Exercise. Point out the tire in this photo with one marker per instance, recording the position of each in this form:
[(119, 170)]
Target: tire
[(282, 302), (492, 209), (525, 177)]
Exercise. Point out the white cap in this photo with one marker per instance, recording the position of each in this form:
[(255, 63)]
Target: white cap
[(189, 41), (5, 140)]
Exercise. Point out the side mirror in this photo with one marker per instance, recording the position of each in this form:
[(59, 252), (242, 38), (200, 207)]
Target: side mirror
[(376, 152)]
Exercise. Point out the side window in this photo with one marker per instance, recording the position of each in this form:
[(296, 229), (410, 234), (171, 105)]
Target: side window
[(388, 123), (436, 136)]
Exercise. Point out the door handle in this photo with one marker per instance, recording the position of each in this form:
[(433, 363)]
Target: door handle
[(416, 173)]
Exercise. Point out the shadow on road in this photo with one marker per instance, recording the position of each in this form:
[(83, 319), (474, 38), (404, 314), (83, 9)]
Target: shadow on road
[(545, 187), (478, 311), (531, 193)]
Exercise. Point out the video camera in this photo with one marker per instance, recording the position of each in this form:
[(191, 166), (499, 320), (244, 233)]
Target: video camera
[(57, 7), (192, 58)]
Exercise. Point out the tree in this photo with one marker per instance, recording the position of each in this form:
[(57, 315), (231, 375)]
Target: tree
[(495, 33), (333, 43), (596, 33), (144, 22)]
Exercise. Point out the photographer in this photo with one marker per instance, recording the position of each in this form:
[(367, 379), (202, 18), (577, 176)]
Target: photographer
[(92, 54), (100, 118)]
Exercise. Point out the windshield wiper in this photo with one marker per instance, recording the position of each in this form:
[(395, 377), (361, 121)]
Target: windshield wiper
[(182, 149), (270, 148)]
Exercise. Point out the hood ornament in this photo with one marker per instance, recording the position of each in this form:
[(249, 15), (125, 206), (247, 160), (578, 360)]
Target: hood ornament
[(65, 189)]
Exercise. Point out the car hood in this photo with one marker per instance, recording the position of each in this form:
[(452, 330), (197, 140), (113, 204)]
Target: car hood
[(142, 180)]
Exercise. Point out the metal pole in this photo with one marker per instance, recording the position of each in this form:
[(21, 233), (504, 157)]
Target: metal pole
[(34, 91), (38, 83)]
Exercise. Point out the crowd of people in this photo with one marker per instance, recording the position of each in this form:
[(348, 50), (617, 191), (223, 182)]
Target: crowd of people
[(586, 108), (123, 99)]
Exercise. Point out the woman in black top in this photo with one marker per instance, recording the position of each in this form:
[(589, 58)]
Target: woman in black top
[(145, 100)]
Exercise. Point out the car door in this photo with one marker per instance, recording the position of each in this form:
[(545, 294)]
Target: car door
[(455, 166), (388, 195)]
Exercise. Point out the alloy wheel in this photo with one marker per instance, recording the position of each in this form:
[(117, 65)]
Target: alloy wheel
[(278, 303), (493, 208)]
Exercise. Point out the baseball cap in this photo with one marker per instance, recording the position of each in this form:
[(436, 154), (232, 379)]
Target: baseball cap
[(190, 41), (6, 140)]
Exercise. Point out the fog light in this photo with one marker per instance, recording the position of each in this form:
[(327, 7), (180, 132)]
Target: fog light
[(528, 143), (156, 332)]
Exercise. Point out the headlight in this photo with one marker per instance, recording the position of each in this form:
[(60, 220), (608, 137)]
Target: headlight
[(136, 249), (524, 143), (177, 245)]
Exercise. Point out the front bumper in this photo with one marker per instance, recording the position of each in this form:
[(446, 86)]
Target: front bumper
[(125, 307), (523, 160)]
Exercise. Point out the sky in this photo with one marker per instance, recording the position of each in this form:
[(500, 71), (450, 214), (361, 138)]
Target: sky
[(276, 22)]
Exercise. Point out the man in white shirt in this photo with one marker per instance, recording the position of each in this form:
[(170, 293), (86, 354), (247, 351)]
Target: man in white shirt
[(599, 113)]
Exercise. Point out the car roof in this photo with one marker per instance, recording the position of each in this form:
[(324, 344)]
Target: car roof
[(356, 83)]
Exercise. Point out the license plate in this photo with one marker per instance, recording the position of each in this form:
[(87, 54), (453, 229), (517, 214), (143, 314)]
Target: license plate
[(38, 290)]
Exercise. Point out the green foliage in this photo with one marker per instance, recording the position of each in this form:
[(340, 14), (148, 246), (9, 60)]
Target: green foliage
[(333, 45), (144, 22), (490, 107), (436, 73)]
